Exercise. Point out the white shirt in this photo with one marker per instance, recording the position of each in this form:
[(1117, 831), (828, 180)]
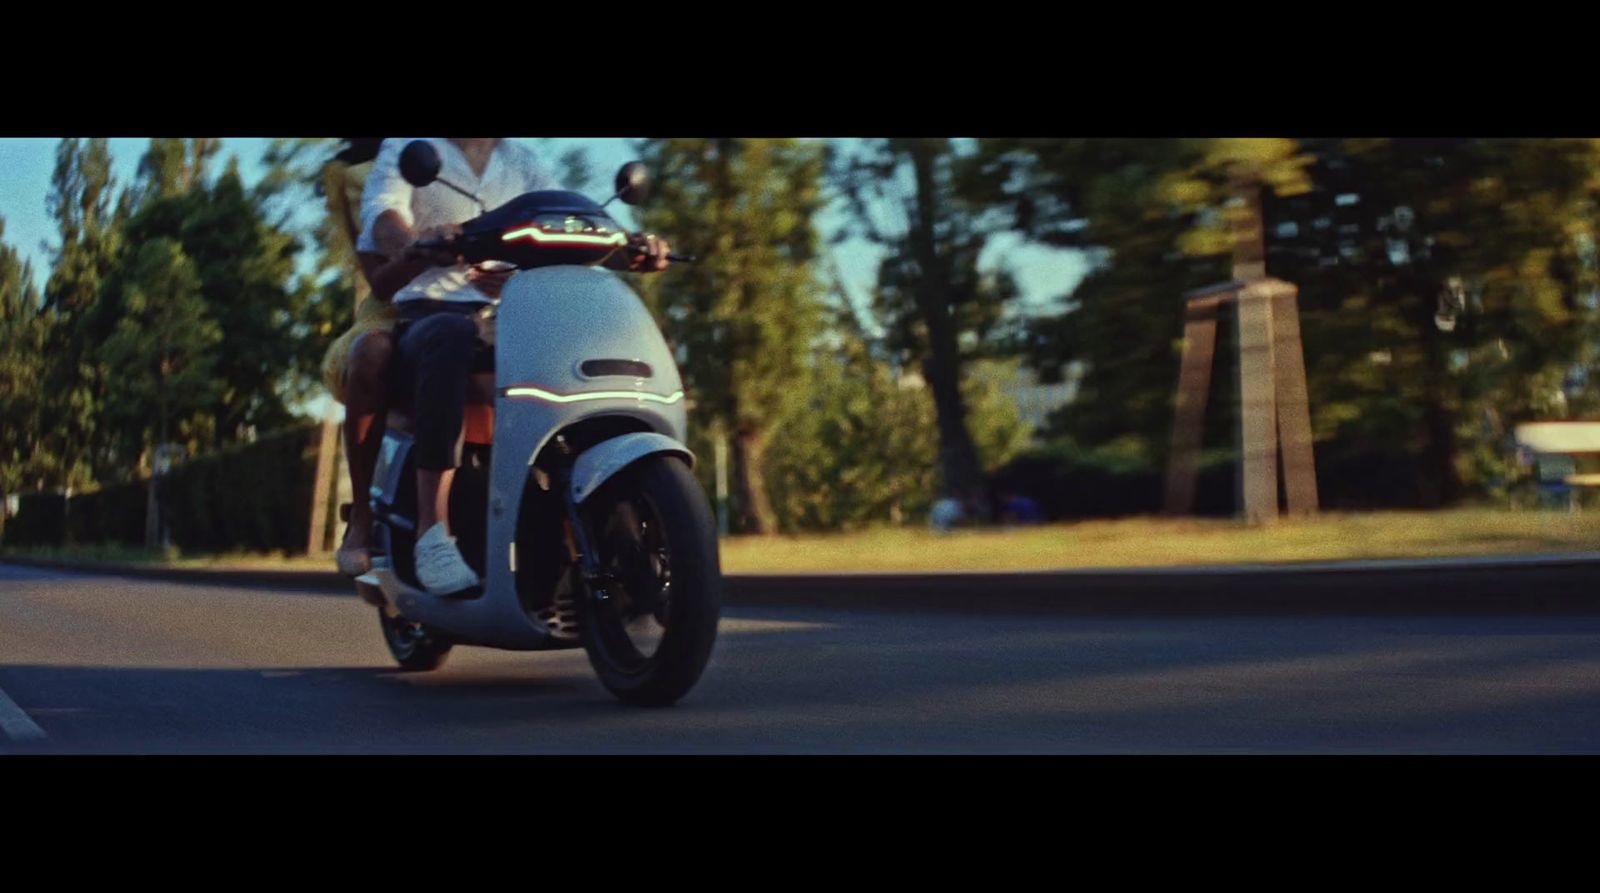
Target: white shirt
[(512, 170)]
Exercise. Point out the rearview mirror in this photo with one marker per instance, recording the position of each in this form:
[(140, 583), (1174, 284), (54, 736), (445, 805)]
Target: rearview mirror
[(633, 183), (419, 163)]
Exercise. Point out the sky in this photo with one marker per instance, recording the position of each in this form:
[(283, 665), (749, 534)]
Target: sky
[(25, 164)]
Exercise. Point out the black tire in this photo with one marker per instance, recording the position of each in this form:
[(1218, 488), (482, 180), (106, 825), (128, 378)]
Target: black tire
[(686, 607), (415, 648)]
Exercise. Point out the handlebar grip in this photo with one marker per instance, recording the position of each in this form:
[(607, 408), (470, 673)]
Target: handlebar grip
[(673, 256)]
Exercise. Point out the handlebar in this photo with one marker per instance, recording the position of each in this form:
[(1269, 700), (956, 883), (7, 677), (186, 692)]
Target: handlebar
[(449, 243)]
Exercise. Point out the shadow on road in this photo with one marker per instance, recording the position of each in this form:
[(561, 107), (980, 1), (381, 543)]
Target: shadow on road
[(896, 684)]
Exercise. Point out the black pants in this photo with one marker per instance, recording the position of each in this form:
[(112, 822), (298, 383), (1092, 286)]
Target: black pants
[(439, 349)]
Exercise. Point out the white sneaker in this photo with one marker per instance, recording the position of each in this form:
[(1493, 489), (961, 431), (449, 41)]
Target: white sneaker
[(440, 568)]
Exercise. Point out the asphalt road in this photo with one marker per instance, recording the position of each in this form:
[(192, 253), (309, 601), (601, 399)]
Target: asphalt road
[(97, 664)]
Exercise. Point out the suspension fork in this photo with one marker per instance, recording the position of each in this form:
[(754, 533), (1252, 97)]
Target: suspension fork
[(579, 544)]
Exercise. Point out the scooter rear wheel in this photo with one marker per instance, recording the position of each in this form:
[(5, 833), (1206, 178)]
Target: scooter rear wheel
[(650, 638), (414, 647)]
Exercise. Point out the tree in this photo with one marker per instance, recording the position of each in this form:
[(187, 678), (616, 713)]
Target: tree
[(272, 322), (1156, 218), (298, 176), (21, 372), (1372, 231), (1512, 222), (80, 198), (744, 316), (172, 166), (293, 179), (860, 449), (998, 431), (163, 344), (163, 349), (940, 310)]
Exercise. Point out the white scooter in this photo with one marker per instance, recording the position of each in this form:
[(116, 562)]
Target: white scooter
[(583, 519)]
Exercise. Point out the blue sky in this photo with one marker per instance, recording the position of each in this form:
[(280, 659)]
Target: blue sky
[(26, 164)]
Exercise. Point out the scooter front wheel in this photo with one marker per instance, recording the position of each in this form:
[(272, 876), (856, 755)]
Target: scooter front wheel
[(649, 624), (414, 647)]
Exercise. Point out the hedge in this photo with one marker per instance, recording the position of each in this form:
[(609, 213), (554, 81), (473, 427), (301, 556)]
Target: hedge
[(253, 497)]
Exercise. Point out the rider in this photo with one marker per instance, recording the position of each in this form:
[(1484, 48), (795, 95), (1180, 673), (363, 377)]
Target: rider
[(440, 300), (356, 366)]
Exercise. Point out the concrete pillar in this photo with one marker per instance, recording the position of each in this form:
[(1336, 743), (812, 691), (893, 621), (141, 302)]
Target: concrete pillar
[(1258, 420), (1294, 408), (1188, 426)]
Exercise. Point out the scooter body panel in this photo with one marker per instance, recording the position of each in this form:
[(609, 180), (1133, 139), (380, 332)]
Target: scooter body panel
[(572, 344), (600, 462)]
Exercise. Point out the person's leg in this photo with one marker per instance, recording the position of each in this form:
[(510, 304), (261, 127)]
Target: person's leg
[(433, 497), (439, 351), (442, 347), (366, 404)]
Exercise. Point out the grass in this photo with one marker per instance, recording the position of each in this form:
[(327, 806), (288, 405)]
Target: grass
[(1146, 542), (1134, 542)]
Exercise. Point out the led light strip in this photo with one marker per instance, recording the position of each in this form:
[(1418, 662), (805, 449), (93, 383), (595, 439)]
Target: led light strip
[(552, 397), (536, 234)]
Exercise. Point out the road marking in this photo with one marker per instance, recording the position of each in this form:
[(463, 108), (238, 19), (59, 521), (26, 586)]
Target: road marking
[(16, 723)]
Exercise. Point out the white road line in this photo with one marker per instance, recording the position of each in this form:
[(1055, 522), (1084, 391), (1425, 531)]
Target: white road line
[(16, 723)]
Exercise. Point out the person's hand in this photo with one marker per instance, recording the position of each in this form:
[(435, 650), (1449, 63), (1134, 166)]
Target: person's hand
[(648, 254), (490, 282), (439, 257)]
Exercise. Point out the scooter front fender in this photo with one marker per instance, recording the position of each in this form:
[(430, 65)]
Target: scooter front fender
[(601, 462)]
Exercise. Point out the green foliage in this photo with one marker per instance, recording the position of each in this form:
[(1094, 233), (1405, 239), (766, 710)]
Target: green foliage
[(177, 291), (743, 318), (1371, 231), (938, 308), (180, 293), (294, 180), (997, 428), (215, 503), (271, 345), (1510, 219), (41, 520), (106, 515), (162, 351), (80, 198), (299, 174), (22, 362), (861, 449), (172, 167)]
